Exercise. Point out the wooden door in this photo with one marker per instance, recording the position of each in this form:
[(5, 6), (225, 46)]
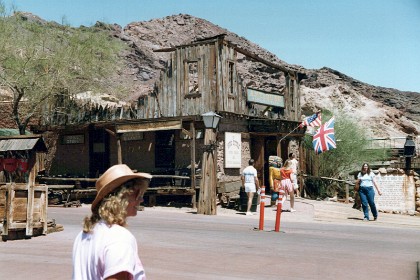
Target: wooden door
[(99, 155), (165, 149), (257, 153)]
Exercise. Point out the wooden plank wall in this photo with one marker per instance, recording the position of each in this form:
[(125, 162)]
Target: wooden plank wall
[(214, 94), (292, 107)]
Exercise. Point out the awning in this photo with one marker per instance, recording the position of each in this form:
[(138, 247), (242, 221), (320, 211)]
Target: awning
[(275, 127), (22, 144), (149, 126)]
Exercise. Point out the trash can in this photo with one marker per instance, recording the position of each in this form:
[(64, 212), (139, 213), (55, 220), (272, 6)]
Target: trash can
[(243, 201)]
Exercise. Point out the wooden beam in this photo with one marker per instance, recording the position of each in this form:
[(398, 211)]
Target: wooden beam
[(186, 132), (110, 132)]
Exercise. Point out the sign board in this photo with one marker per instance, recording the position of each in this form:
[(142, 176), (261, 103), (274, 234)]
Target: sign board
[(265, 98), (233, 148), (398, 193), (132, 136), (73, 139)]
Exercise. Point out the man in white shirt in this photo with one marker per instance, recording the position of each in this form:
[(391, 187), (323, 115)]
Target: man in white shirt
[(250, 183)]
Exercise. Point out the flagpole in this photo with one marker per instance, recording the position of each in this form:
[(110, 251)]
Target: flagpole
[(317, 113), (289, 133)]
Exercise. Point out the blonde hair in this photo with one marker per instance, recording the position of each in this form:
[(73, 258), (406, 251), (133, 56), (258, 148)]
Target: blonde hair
[(287, 164), (113, 208)]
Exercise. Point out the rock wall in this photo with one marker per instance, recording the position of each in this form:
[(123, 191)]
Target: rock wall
[(400, 193)]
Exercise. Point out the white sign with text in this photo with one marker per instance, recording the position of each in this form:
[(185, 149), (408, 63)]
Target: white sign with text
[(233, 148), (398, 193)]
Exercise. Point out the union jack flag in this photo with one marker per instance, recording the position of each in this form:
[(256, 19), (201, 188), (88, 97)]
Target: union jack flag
[(314, 120), (324, 139)]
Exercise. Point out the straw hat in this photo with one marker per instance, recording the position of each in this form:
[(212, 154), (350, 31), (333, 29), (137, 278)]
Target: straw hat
[(114, 177)]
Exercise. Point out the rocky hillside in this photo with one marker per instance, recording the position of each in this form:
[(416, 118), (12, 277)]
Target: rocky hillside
[(385, 112)]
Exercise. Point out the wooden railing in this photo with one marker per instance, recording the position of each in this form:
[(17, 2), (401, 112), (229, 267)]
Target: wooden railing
[(73, 188)]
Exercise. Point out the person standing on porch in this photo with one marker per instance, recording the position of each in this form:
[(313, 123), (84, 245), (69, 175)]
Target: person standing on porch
[(250, 183)]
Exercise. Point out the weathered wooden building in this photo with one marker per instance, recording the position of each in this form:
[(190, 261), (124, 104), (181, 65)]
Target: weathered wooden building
[(23, 202), (164, 132)]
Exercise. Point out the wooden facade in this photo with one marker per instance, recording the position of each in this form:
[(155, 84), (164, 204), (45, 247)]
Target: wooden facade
[(23, 202), (203, 76), (199, 77)]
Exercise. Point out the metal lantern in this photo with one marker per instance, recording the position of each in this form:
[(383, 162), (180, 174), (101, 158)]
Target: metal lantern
[(211, 120), (409, 147)]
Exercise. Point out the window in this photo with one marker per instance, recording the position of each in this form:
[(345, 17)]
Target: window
[(292, 92), (192, 84), (193, 77), (231, 66)]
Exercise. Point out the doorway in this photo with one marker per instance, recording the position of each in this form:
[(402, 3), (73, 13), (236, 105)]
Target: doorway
[(270, 149), (261, 148), (99, 155), (165, 149)]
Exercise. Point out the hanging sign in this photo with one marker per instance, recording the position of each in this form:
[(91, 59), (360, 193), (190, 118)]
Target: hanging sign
[(233, 148), (265, 98)]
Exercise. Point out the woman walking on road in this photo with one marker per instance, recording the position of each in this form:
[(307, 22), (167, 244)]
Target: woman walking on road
[(366, 180), (286, 173), (106, 249)]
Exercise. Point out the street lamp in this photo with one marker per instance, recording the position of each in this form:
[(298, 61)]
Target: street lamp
[(409, 151), (207, 197), (211, 120)]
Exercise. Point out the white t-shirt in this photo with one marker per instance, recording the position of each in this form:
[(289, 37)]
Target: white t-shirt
[(250, 173), (366, 180), (294, 165), (105, 252)]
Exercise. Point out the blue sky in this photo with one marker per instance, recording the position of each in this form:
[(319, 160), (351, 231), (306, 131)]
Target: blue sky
[(374, 41)]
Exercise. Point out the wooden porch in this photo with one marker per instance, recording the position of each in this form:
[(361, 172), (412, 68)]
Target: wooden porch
[(74, 191)]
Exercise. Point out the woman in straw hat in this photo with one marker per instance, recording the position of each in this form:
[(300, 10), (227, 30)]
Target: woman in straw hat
[(105, 249)]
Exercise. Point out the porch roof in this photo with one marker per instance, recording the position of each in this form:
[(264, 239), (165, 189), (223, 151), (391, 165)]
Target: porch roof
[(149, 126), (275, 127), (22, 144)]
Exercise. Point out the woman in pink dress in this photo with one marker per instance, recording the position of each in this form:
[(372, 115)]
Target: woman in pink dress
[(287, 183)]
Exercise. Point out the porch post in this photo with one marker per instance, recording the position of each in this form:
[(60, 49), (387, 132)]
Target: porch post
[(207, 197), (192, 130), (119, 151)]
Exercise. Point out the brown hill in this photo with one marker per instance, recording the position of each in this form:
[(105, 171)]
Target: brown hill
[(385, 112)]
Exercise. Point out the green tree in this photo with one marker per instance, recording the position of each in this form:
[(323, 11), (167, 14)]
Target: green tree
[(40, 61), (352, 148)]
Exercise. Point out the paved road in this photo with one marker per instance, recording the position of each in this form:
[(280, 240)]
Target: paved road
[(323, 240)]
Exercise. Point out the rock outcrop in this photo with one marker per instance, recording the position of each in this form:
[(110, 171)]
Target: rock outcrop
[(385, 112)]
